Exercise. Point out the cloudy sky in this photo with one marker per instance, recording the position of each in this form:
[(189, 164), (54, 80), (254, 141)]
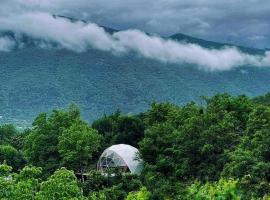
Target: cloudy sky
[(221, 21), (243, 22)]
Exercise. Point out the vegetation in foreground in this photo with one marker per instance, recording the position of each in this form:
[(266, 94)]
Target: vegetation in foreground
[(220, 150)]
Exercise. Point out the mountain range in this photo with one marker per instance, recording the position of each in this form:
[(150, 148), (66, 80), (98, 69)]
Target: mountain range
[(34, 80)]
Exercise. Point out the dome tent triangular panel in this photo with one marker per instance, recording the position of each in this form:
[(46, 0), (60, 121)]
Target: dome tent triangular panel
[(120, 155)]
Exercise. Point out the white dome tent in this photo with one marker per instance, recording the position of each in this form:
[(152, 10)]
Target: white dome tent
[(120, 156)]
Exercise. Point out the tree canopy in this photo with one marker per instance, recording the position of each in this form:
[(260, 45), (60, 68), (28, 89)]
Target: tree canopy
[(216, 150)]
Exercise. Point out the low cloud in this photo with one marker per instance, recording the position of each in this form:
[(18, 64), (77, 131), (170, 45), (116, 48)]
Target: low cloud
[(6, 44), (200, 18), (176, 52), (81, 36)]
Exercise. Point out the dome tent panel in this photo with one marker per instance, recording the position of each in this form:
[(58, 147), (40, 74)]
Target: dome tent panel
[(109, 159), (120, 155)]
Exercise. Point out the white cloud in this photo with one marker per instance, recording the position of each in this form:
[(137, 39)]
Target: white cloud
[(6, 44), (175, 52), (81, 36), (73, 36), (200, 18)]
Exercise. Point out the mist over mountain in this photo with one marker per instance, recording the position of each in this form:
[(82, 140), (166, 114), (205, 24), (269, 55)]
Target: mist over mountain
[(112, 69)]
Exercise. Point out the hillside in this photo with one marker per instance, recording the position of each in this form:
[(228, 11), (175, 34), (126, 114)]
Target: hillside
[(34, 80), (210, 44)]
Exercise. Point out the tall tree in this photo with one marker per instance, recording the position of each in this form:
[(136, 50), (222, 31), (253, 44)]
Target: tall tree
[(251, 160), (118, 128), (77, 145), (12, 156), (7, 131), (41, 144), (61, 185)]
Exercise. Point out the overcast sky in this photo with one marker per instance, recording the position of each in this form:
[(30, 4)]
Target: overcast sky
[(240, 21), (221, 21)]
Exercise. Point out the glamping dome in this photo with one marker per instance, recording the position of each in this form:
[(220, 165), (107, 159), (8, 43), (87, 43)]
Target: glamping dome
[(120, 156)]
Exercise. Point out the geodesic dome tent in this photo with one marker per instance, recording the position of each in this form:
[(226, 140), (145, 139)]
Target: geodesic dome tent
[(120, 156)]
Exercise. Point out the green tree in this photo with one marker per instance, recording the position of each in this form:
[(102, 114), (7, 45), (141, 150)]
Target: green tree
[(142, 194), (263, 100), (41, 144), (13, 157), (6, 182), (130, 130), (5, 169), (17, 141), (61, 185), (77, 145), (7, 131), (106, 124), (112, 193), (190, 142), (182, 144), (159, 112), (115, 185), (19, 186), (223, 189), (98, 196), (118, 128), (26, 183), (250, 162), (95, 182)]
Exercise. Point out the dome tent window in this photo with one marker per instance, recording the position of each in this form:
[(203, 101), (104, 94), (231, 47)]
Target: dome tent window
[(120, 156)]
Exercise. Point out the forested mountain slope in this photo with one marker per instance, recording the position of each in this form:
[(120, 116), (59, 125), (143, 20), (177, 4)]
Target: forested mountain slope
[(34, 79)]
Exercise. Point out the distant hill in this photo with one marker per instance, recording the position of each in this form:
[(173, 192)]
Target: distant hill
[(34, 80), (210, 44), (185, 38)]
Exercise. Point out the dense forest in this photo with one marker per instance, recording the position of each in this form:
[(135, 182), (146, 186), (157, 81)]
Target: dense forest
[(219, 149)]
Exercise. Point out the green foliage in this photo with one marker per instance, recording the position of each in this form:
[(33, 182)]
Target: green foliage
[(97, 196), (192, 142), (10, 150), (156, 147), (96, 181), (114, 193), (29, 172), (35, 79), (223, 189), (41, 144), (13, 157), (7, 132), (251, 160), (114, 185), (6, 183), (19, 186), (162, 187), (194, 138), (130, 130), (118, 129), (17, 141), (159, 112), (142, 194), (263, 100), (77, 145), (5, 169), (218, 150), (27, 183), (61, 185)]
